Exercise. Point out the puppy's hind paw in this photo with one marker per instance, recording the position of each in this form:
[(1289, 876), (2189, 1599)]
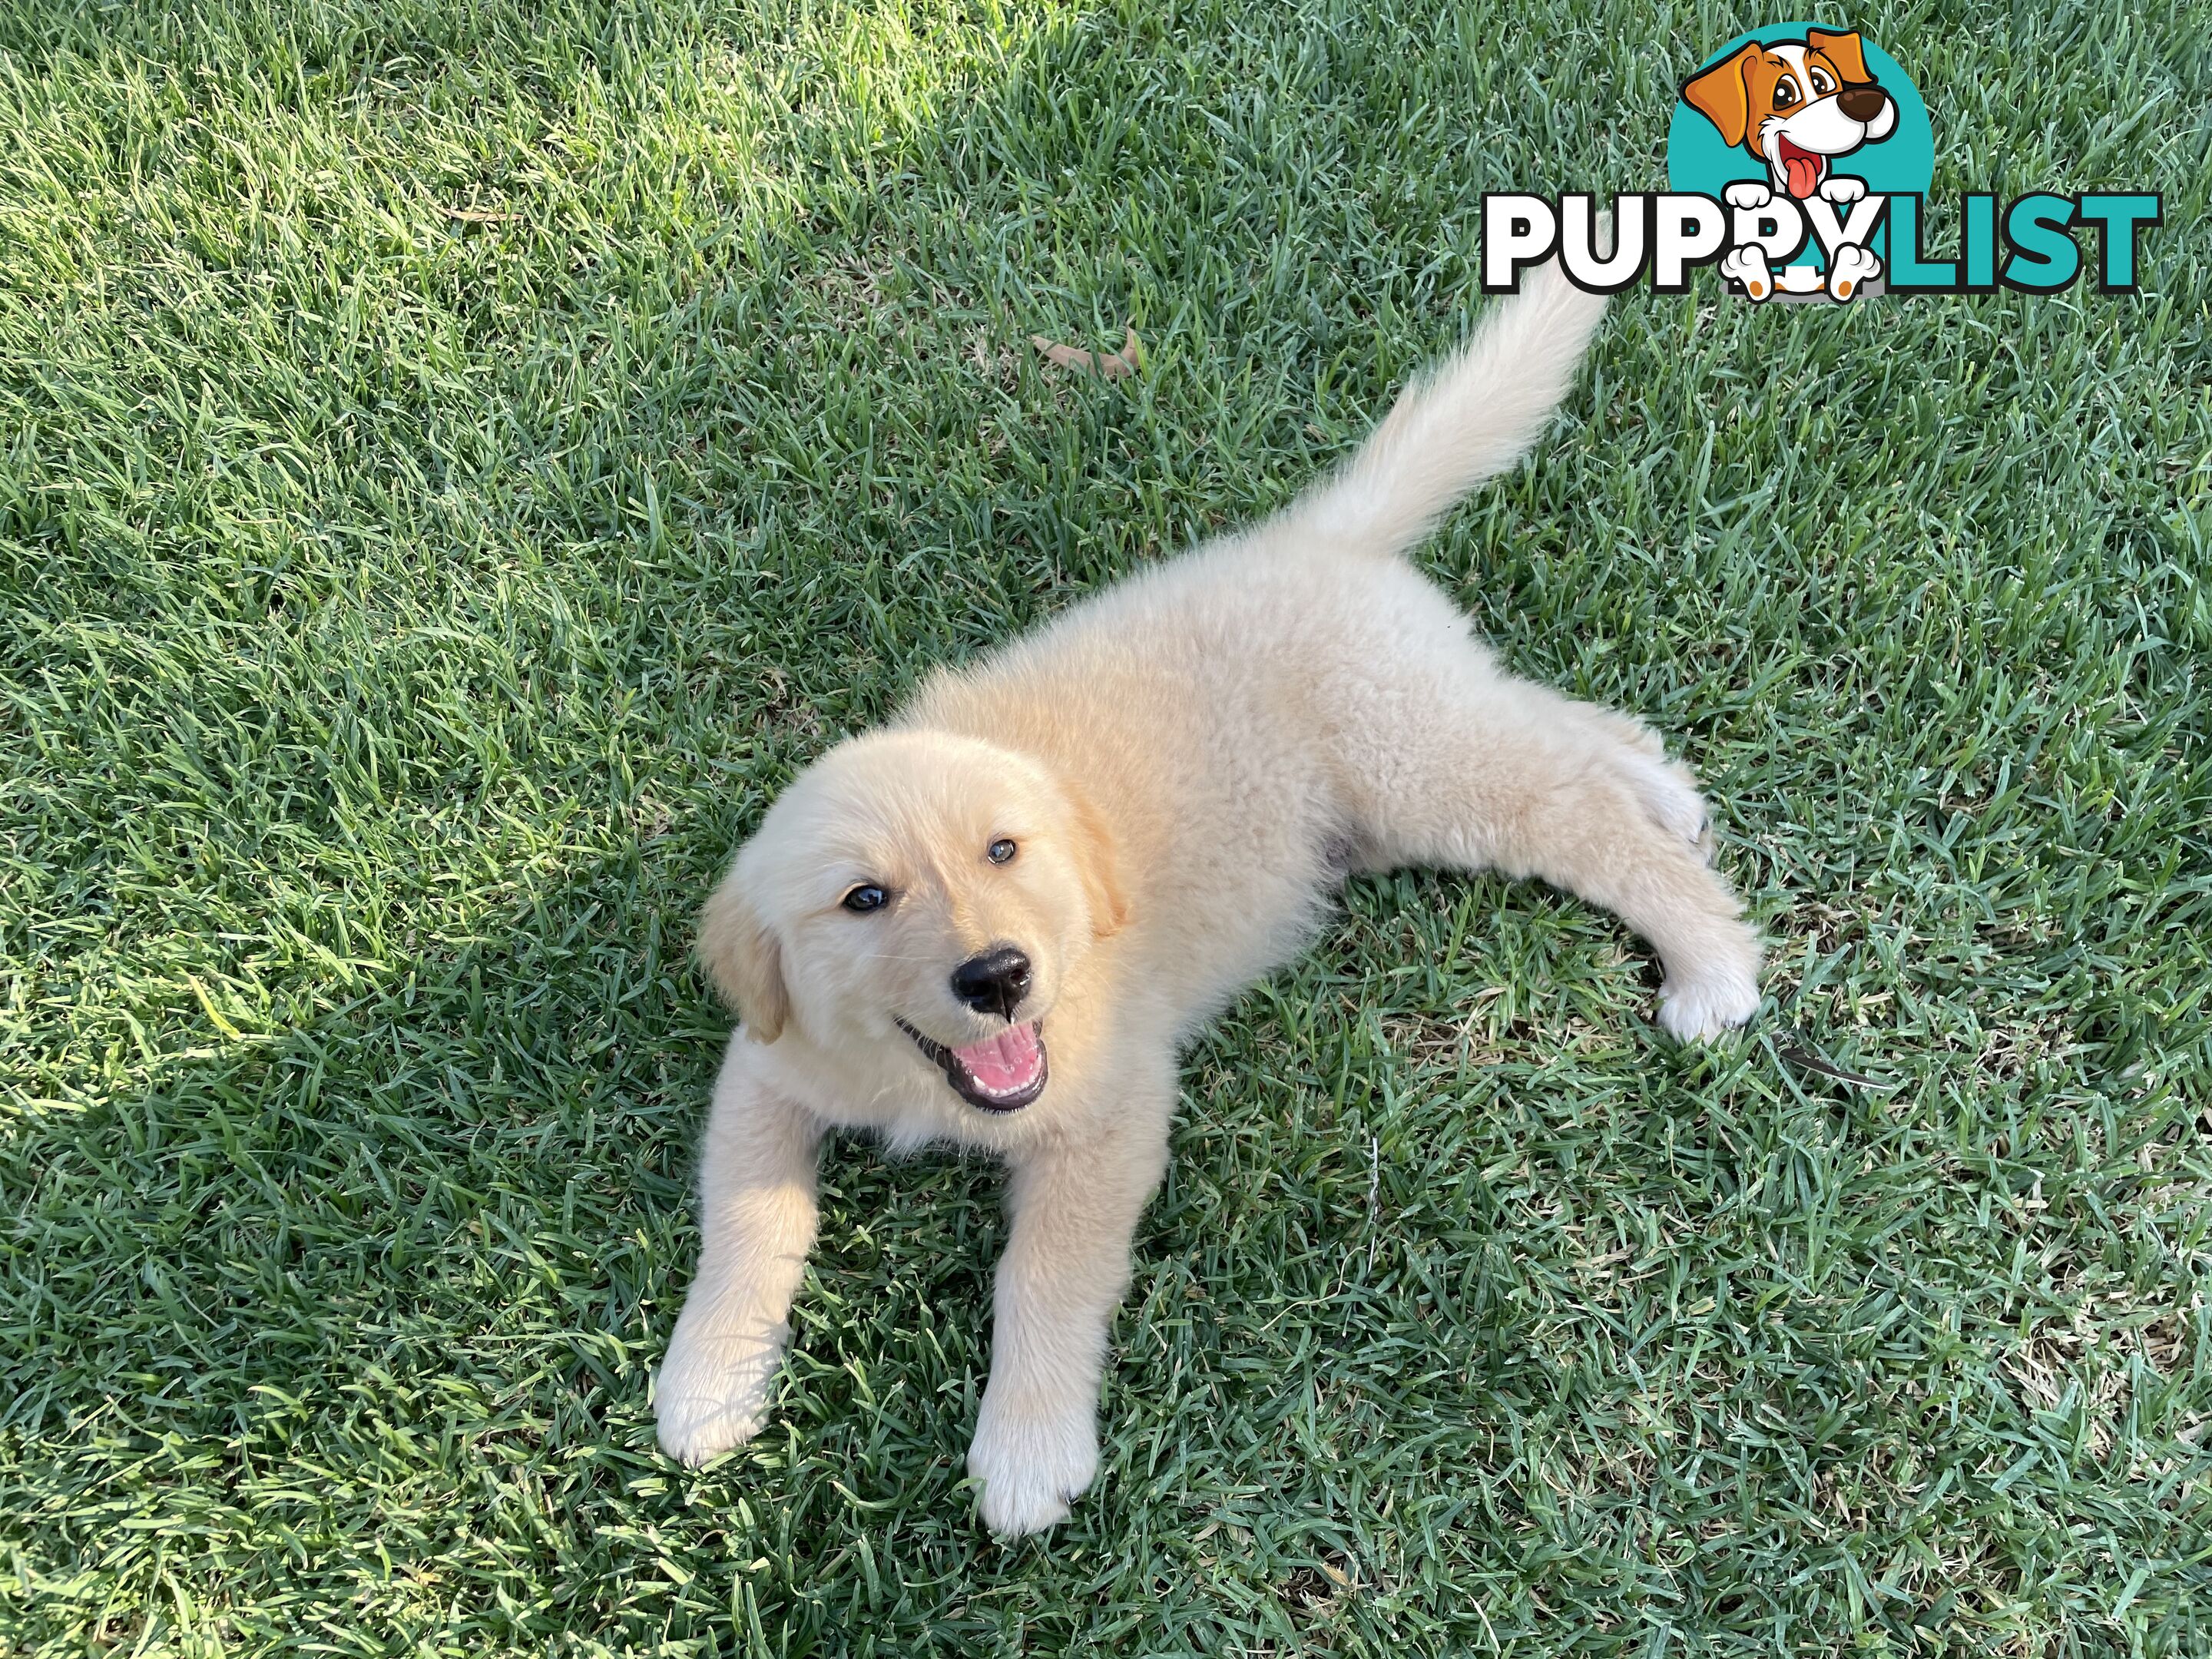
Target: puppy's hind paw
[(1699, 1008), (1669, 792)]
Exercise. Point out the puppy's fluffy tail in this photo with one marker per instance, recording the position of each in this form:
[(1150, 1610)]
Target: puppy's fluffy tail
[(1468, 420)]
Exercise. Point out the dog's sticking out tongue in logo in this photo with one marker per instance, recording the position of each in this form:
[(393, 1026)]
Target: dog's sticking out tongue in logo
[(1794, 104)]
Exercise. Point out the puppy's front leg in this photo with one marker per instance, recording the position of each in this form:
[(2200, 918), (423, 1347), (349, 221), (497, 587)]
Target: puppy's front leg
[(757, 1211), (1075, 1207)]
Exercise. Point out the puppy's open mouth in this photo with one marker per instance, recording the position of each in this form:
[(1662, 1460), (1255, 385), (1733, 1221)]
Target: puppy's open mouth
[(1802, 168), (1002, 1073)]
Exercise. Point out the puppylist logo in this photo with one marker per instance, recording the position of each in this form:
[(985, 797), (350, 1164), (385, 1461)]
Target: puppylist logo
[(1799, 162)]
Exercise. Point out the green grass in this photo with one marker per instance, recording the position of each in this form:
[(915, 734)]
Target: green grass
[(458, 459)]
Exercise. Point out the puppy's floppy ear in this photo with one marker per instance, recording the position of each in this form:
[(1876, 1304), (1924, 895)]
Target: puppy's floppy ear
[(1098, 858), (1722, 94), (741, 955), (1843, 50)]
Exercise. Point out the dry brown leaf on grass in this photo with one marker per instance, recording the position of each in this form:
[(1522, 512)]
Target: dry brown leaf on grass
[(1111, 366)]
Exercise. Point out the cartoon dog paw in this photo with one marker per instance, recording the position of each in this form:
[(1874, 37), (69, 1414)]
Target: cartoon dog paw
[(1840, 190), (1747, 265), (1850, 270), (1747, 193)]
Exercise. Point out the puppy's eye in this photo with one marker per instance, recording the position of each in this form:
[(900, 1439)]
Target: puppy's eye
[(1822, 85), (1000, 851), (1785, 93), (866, 897)]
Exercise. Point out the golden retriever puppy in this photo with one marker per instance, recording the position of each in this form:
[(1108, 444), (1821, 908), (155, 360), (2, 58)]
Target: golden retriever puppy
[(995, 921)]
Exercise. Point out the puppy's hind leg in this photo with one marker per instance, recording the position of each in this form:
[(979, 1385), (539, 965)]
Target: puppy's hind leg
[(1500, 773)]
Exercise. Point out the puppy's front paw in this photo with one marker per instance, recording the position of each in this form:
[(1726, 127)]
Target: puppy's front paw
[(1715, 996), (1746, 193), (1033, 1460), (1839, 188), (712, 1393)]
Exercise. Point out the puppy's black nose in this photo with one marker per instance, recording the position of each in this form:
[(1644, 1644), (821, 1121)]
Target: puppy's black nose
[(992, 982), (1863, 101)]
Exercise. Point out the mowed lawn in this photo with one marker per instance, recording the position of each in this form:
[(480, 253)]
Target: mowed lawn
[(458, 458)]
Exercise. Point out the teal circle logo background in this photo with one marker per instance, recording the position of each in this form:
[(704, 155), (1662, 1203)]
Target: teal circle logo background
[(1698, 159)]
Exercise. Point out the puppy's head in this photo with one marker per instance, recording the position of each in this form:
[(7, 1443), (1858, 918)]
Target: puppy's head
[(923, 891)]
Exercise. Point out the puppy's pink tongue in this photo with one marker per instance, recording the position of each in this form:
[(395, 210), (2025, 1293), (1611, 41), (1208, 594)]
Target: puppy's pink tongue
[(1804, 172), (1005, 1062)]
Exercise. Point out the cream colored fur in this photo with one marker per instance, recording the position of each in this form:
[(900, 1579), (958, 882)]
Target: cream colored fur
[(1188, 764)]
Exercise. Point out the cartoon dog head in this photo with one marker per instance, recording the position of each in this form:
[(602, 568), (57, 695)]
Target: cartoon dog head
[(1796, 104), (920, 897)]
